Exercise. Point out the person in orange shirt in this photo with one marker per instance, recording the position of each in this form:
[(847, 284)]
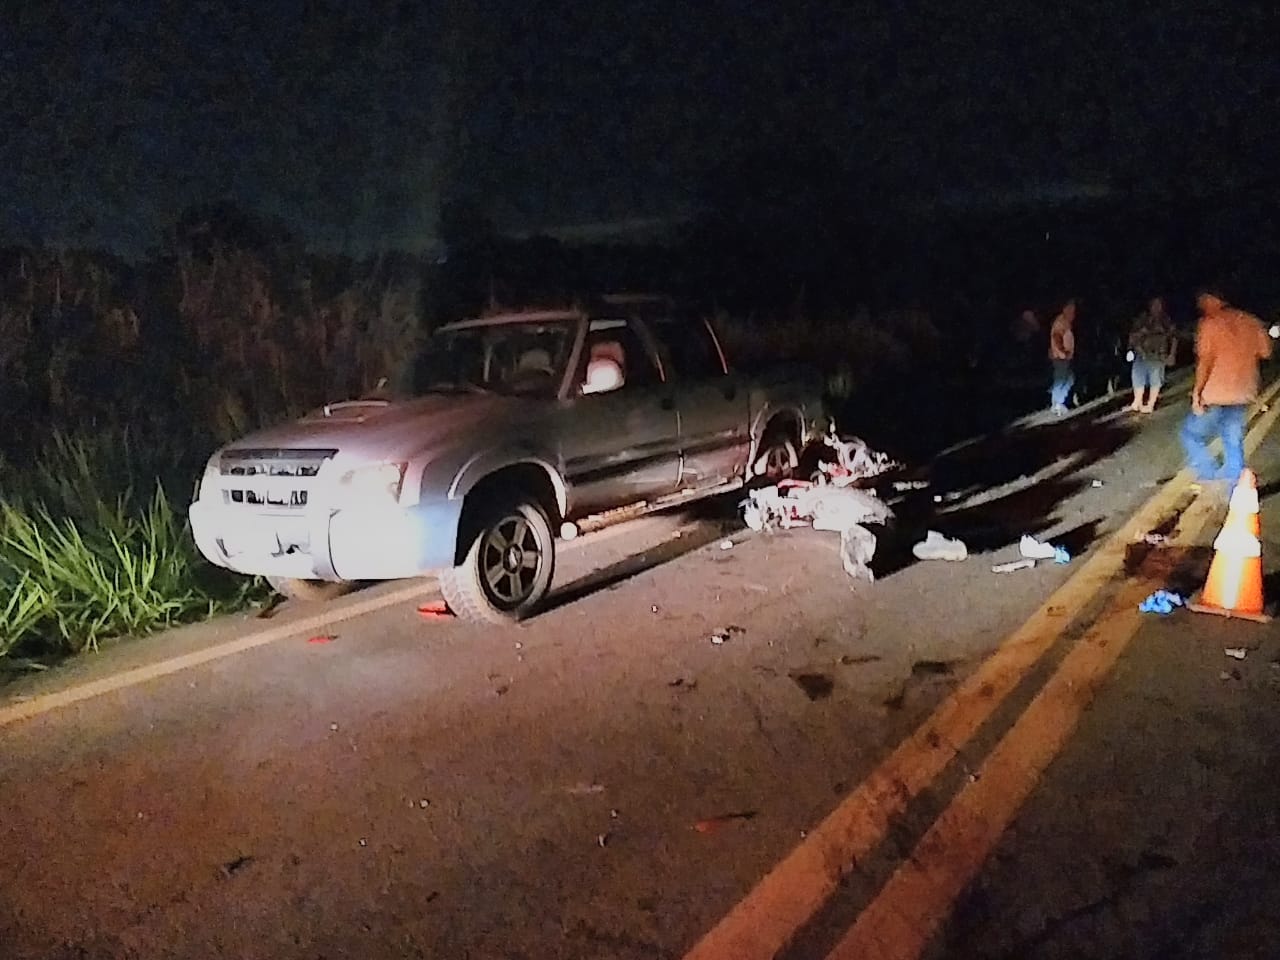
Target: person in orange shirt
[(1230, 343), (1062, 350)]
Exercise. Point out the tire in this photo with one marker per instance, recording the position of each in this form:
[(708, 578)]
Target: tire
[(778, 450), (507, 568), (310, 591)]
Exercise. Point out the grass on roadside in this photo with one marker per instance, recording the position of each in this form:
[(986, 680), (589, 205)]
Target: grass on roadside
[(84, 558)]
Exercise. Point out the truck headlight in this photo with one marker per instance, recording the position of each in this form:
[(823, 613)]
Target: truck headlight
[(377, 481)]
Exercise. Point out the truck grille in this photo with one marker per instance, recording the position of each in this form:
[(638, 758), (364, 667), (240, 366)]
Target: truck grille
[(281, 479)]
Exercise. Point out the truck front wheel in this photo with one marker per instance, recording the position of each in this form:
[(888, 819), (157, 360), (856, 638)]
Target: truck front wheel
[(507, 567)]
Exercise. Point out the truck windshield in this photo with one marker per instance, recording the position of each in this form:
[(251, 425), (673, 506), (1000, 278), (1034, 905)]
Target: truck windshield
[(528, 359)]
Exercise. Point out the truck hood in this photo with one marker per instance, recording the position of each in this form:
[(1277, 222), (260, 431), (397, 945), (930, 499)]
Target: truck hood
[(376, 430)]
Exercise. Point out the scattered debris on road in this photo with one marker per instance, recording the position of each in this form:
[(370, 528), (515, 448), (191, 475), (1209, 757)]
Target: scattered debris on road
[(584, 789), (845, 460), (906, 486), (841, 509), (1034, 549), (1152, 539), (1096, 483), (721, 637), (936, 546), (1162, 602), (1013, 566), (712, 824), (322, 638), (435, 610), (333, 727), (232, 867), (602, 839), (726, 544), (816, 686), (1236, 653)]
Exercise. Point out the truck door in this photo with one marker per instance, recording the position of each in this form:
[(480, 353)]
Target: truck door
[(621, 442), (715, 435)]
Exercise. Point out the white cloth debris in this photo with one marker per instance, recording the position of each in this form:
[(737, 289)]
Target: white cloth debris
[(1034, 549), (935, 546), (823, 507), (1013, 565), (854, 460), (857, 548)]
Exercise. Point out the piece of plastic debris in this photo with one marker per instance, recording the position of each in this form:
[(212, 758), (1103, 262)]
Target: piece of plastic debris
[(584, 789), (322, 638), (902, 486), (653, 608), (613, 814), (1096, 483), (1061, 555), (1162, 602), (726, 544), (435, 610), (935, 546), (1034, 549), (1236, 653), (721, 637), (712, 824), (333, 727), (602, 839), (857, 548), (1153, 539), (1013, 565), (424, 803), (364, 842)]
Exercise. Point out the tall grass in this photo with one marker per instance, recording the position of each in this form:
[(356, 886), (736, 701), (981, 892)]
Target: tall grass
[(85, 557)]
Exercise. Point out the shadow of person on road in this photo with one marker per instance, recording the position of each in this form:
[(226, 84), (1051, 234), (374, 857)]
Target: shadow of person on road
[(1006, 485)]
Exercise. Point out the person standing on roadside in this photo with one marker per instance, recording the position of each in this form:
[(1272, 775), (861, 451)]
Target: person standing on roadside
[(1062, 350), (1154, 345), (1230, 343)]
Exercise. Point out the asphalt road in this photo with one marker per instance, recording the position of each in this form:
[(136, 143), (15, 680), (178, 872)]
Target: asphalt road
[(607, 781)]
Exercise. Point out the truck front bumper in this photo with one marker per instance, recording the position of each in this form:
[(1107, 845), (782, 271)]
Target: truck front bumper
[(358, 543)]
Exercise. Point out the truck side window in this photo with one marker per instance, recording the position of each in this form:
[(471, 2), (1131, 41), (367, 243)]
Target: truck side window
[(693, 350), (617, 340)]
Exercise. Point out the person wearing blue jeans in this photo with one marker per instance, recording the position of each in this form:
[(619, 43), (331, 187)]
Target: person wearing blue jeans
[(1199, 430), (1062, 350), (1230, 343)]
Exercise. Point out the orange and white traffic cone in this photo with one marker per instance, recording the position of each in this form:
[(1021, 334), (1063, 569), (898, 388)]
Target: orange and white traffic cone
[(1234, 585)]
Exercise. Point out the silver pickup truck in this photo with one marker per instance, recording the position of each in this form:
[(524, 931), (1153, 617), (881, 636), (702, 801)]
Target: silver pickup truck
[(523, 426)]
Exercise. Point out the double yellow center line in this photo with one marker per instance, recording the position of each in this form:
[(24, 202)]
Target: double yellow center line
[(907, 911)]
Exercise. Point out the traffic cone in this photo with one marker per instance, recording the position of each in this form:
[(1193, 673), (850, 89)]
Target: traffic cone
[(1234, 585)]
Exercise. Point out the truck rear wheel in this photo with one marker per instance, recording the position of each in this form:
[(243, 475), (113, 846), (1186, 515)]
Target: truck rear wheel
[(309, 591), (507, 567), (776, 459)]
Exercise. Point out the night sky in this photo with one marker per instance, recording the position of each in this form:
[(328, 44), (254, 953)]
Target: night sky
[(350, 121)]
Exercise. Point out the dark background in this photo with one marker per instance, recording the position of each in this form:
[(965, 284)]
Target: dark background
[(823, 165)]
